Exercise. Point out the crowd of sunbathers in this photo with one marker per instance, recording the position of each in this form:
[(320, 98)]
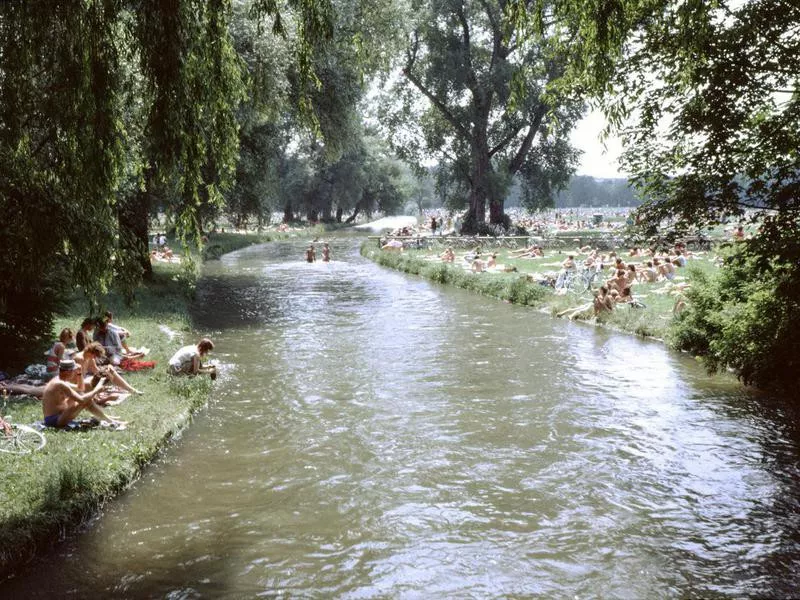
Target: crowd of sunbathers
[(475, 261), (651, 267), (82, 372)]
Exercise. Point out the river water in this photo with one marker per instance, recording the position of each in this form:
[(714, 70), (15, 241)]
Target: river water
[(374, 435)]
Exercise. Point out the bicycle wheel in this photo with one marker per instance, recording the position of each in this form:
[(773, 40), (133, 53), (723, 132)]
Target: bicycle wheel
[(577, 284), (22, 440)]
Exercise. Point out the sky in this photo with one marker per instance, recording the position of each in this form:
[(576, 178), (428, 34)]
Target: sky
[(597, 160)]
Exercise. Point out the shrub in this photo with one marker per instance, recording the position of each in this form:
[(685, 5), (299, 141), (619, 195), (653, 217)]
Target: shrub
[(747, 317), (522, 291)]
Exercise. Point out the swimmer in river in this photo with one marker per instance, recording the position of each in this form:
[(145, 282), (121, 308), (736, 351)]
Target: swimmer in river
[(326, 253), (311, 254)]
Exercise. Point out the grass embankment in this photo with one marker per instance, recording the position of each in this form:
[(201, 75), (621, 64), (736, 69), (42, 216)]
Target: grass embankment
[(48, 493), (520, 288)]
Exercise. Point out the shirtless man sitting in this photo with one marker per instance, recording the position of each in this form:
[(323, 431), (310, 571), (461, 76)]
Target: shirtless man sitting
[(61, 402), (448, 255)]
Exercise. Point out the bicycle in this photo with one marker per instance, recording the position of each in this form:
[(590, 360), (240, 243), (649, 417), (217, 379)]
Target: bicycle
[(579, 281), (19, 439)]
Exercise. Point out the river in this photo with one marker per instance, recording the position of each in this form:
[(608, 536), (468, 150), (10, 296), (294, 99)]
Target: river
[(374, 435)]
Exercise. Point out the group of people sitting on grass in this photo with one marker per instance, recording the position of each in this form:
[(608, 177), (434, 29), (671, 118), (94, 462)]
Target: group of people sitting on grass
[(83, 374), (659, 267), (617, 289), (475, 261)]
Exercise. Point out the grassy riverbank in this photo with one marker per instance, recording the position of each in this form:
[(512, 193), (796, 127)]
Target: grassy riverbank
[(49, 493), (520, 288)]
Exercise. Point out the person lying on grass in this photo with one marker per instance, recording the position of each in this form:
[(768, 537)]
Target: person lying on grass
[(61, 402)]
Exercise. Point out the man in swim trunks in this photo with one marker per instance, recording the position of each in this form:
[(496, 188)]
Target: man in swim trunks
[(311, 254), (61, 402)]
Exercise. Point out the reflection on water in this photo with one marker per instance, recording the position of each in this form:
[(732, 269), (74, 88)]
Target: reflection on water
[(375, 435)]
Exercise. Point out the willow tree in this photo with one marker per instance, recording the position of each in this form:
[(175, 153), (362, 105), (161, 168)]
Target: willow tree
[(73, 77), (491, 107)]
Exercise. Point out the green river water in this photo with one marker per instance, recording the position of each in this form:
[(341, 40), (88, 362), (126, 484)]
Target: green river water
[(374, 435)]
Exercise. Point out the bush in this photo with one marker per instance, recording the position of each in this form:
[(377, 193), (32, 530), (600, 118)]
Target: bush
[(747, 317), (522, 291)]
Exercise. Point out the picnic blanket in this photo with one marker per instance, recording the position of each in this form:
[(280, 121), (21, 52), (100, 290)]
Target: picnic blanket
[(133, 364), (82, 425)]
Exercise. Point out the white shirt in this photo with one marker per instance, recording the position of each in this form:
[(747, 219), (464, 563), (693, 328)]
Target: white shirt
[(184, 356)]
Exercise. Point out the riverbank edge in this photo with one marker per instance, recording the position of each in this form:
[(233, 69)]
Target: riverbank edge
[(515, 288), (57, 491)]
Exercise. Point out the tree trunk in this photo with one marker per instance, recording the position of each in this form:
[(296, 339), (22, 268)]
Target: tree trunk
[(133, 214), (475, 218), (352, 217), (288, 214), (339, 212)]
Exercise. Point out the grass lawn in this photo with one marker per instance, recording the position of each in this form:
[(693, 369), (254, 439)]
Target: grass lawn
[(52, 491), (652, 321)]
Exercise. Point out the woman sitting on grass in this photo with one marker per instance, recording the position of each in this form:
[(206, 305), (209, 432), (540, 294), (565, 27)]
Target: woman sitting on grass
[(91, 372), (57, 352)]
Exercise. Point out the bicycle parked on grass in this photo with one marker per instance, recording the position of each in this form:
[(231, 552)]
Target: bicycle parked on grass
[(19, 439), (578, 281)]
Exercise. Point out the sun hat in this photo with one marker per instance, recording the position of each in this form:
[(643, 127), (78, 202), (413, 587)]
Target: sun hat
[(67, 365)]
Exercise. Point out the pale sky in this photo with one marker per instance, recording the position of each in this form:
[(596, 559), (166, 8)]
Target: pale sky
[(597, 160)]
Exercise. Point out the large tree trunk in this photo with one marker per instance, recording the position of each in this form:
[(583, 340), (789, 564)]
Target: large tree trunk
[(352, 217), (475, 218), (133, 214), (288, 214)]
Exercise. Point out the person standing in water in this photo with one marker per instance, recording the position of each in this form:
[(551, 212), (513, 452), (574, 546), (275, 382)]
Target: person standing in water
[(311, 254), (326, 253)]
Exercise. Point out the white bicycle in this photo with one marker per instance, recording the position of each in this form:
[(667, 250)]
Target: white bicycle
[(19, 439)]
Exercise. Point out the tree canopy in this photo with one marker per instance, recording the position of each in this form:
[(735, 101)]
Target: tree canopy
[(705, 96), (93, 93), (491, 108)]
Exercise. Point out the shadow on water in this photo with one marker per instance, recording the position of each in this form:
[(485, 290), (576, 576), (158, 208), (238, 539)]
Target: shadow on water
[(375, 435)]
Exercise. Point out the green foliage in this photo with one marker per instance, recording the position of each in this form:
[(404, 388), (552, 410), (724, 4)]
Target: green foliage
[(61, 144), (504, 286), (58, 488), (486, 104), (521, 291), (745, 322)]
